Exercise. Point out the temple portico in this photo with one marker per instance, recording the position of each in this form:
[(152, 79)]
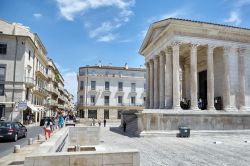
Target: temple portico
[(175, 70), (197, 76)]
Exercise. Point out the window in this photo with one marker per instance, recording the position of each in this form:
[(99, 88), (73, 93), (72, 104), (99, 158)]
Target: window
[(2, 73), (93, 85), (3, 49), (81, 85), (120, 86), (119, 114), (133, 87), (106, 85), (106, 114), (119, 99), (1, 89), (2, 111), (106, 100), (81, 99), (92, 100), (133, 100), (82, 113), (29, 55), (92, 114)]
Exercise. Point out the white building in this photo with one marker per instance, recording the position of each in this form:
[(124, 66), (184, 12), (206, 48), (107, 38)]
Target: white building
[(105, 91)]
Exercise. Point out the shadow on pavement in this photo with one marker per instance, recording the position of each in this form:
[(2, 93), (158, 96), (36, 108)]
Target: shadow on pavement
[(119, 130)]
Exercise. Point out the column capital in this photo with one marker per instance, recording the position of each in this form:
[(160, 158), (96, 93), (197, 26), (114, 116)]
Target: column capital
[(194, 45), (242, 50), (211, 47), (226, 48), (175, 44)]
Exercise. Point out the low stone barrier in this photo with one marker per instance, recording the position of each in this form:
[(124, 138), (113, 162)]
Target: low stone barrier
[(54, 151), (123, 157)]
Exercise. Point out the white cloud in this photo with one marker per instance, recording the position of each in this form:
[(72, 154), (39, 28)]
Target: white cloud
[(236, 12), (37, 15), (107, 38), (234, 18), (70, 9)]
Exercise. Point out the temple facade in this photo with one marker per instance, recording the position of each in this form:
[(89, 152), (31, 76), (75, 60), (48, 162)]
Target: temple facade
[(188, 62)]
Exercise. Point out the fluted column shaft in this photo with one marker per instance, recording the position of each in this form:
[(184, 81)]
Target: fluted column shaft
[(148, 86), (168, 79), (193, 72), (176, 75), (210, 78), (162, 80), (151, 84), (242, 81), (228, 101), (156, 82)]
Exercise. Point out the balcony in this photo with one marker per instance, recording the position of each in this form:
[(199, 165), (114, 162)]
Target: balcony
[(53, 90), (41, 73), (53, 103), (29, 82), (40, 91)]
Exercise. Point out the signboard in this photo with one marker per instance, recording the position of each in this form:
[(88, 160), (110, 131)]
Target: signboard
[(22, 105)]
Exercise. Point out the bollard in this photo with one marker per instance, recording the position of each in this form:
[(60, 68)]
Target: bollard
[(17, 148), (78, 148), (39, 137), (30, 141)]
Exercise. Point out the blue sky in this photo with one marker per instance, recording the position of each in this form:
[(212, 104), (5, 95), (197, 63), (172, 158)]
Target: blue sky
[(82, 32)]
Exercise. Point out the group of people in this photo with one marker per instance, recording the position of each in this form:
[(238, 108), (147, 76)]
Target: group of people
[(99, 122), (50, 124)]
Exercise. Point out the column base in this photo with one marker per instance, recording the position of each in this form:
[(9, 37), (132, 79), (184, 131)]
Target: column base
[(195, 108), (230, 109), (244, 108), (162, 107), (211, 108), (177, 108)]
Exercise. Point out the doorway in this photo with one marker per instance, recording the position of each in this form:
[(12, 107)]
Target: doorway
[(203, 88)]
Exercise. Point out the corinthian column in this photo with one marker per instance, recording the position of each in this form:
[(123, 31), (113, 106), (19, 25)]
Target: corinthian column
[(242, 81), (162, 80), (176, 75), (151, 84), (193, 72), (156, 82), (168, 79), (210, 78), (227, 99), (148, 87)]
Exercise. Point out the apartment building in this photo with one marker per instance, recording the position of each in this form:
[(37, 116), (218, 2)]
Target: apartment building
[(105, 91), (24, 73)]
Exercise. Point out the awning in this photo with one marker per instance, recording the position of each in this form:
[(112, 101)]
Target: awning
[(32, 107)]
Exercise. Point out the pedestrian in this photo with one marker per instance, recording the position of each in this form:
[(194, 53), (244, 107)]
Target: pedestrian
[(99, 122), (47, 128), (93, 121), (61, 121), (124, 126), (104, 122)]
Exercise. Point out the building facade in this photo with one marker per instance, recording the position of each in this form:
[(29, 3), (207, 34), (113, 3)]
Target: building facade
[(105, 91), (190, 60), (24, 73)]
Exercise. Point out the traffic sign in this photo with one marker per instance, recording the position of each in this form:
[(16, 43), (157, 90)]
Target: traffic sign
[(22, 105)]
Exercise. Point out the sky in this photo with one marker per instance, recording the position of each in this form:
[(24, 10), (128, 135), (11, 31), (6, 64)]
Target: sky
[(82, 32)]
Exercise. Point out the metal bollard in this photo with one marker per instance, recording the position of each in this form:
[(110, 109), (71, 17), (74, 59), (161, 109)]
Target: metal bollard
[(39, 137), (17, 148), (30, 141)]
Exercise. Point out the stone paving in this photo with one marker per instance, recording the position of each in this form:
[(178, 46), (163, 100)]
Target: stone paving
[(200, 149)]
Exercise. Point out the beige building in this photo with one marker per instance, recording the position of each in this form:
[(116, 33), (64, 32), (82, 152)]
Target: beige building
[(194, 60), (24, 74), (105, 91)]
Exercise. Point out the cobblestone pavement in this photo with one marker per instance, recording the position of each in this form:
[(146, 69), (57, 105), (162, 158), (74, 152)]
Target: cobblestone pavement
[(229, 149)]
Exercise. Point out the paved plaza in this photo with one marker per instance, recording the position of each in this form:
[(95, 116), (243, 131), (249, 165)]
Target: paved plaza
[(199, 149)]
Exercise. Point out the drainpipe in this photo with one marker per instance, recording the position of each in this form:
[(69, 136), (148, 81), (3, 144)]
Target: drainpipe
[(86, 97), (14, 79)]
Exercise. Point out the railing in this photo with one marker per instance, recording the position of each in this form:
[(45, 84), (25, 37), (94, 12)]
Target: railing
[(41, 90), (42, 72)]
